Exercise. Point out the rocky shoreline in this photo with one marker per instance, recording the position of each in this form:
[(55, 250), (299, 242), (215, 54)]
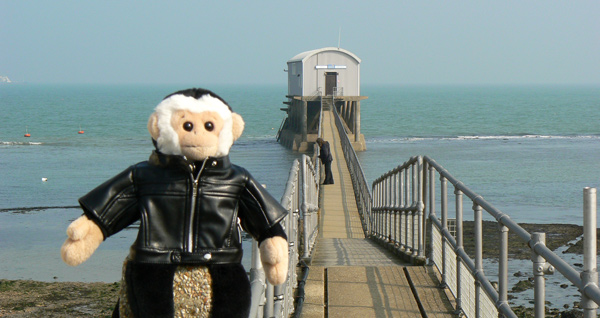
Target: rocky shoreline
[(25, 298)]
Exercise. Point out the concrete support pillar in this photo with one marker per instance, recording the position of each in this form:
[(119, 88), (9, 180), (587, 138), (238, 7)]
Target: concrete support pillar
[(304, 121), (345, 113), (295, 118), (357, 121), (351, 117)]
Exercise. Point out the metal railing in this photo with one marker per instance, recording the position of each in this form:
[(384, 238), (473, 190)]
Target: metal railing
[(362, 191), (300, 199), (401, 197), (398, 211), (338, 91), (310, 204)]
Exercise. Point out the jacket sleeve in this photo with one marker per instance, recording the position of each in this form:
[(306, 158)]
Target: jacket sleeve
[(259, 212), (325, 153), (113, 205)]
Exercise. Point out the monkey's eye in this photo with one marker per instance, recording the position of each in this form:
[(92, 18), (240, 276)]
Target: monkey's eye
[(187, 126), (209, 126)]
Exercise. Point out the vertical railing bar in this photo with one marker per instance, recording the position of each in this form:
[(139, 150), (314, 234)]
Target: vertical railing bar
[(590, 270), (503, 267), (432, 191), (424, 198), (431, 203), (459, 247), (386, 202), (389, 209), (414, 200), (376, 214), (444, 208), (406, 213), (539, 284), (478, 257), (396, 204), (382, 204), (402, 214), (420, 209)]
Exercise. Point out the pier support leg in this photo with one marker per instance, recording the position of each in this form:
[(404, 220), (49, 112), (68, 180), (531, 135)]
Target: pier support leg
[(357, 121), (304, 121)]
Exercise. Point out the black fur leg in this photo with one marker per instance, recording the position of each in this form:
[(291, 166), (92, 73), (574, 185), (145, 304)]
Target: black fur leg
[(150, 289), (231, 291), (116, 311)]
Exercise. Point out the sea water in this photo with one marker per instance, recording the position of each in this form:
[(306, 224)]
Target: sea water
[(528, 150)]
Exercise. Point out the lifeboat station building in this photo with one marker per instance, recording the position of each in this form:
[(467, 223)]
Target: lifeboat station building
[(322, 78)]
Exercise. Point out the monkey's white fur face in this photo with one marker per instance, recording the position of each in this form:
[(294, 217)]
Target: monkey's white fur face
[(195, 128)]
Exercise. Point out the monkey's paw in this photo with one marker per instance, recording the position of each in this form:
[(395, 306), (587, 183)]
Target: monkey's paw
[(84, 237), (274, 257)]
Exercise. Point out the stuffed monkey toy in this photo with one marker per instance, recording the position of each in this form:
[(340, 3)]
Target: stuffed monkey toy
[(192, 203)]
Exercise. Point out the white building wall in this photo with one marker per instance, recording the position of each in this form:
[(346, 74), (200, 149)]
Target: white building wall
[(305, 79)]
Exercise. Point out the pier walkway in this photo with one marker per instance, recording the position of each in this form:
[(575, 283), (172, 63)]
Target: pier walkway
[(352, 276)]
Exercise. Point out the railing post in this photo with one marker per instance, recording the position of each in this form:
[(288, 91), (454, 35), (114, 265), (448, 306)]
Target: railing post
[(459, 246), (257, 280), (478, 257), (406, 213), (379, 205), (415, 230), (270, 304), (503, 268), (402, 214), (539, 285), (388, 194), (424, 196), (444, 206), (420, 207), (378, 213), (590, 271), (395, 207), (304, 205), (431, 206)]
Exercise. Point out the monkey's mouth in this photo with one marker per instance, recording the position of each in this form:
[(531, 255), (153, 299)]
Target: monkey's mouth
[(198, 152)]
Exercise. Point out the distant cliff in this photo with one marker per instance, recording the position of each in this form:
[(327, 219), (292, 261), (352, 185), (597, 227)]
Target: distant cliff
[(5, 79)]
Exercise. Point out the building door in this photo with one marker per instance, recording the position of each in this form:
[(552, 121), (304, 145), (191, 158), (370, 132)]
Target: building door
[(330, 82)]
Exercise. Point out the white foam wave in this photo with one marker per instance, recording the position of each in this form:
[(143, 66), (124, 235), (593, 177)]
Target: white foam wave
[(498, 137), (516, 137), (20, 143)]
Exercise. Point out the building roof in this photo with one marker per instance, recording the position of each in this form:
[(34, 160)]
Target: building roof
[(305, 55)]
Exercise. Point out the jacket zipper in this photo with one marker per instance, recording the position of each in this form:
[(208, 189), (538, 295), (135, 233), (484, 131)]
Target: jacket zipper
[(190, 240)]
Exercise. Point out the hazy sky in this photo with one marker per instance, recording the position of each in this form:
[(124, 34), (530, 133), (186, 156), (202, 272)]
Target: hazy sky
[(240, 42)]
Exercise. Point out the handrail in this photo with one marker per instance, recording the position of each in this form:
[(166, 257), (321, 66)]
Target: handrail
[(400, 195), (310, 204), (283, 121), (300, 199), (362, 191)]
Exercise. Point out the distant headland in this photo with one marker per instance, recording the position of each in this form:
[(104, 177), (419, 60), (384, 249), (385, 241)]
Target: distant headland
[(5, 79)]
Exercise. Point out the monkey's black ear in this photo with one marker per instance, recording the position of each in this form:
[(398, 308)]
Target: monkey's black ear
[(153, 126), (238, 125)]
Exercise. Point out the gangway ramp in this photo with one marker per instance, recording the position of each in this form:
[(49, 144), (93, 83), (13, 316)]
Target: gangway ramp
[(352, 276)]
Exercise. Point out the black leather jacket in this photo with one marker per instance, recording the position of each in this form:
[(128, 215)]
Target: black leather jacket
[(188, 212)]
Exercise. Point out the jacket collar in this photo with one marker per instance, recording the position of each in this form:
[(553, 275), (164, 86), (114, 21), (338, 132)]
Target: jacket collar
[(159, 159)]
